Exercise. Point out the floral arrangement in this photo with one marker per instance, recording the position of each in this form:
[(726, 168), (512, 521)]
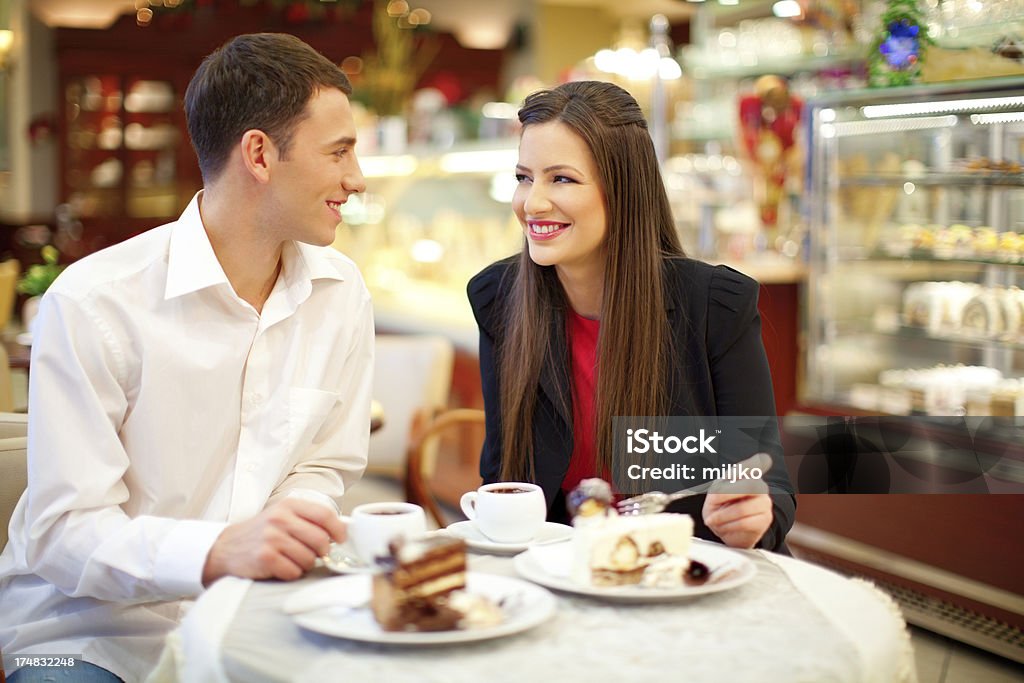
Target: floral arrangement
[(391, 73), (899, 48), (38, 278)]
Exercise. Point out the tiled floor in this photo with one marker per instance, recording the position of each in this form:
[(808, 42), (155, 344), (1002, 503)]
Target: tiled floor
[(943, 660)]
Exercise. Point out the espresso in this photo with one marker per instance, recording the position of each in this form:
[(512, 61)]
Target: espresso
[(509, 489), (387, 512)]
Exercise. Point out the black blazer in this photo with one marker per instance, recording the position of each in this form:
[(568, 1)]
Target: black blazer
[(723, 371)]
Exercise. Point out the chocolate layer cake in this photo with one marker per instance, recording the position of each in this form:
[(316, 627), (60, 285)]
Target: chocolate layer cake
[(411, 594)]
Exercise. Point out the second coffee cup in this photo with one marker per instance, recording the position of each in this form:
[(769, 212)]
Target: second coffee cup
[(374, 525), (506, 512)]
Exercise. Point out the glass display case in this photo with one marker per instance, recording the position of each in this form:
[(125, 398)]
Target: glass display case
[(916, 208), (126, 162), (914, 307)]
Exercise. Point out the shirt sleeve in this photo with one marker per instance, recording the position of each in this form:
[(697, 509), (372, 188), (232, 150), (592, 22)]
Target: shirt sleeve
[(337, 456), (78, 537), (743, 382)]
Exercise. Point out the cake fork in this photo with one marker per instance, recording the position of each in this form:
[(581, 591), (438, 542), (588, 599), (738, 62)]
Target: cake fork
[(656, 501)]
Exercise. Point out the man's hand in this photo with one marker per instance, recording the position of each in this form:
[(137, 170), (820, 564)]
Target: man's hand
[(739, 519), (282, 542)]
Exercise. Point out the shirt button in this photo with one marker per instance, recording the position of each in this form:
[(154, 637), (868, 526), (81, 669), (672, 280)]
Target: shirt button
[(256, 398)]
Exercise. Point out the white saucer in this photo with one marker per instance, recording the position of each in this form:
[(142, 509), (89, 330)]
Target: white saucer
[(342, 559), (25, 339), (474, 538)]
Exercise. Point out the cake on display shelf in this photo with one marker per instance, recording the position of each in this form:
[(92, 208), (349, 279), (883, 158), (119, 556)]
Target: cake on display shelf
[(965, 308), (942, 390), (957, 241)]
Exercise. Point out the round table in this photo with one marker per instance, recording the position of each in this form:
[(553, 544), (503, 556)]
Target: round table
[(792, 622)]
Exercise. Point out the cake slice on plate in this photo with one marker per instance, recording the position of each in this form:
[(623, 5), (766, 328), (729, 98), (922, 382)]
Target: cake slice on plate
[(422, 588), (617, 551), (610, 550)]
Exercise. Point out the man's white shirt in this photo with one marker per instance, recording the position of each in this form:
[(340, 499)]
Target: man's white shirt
[(163, 407)]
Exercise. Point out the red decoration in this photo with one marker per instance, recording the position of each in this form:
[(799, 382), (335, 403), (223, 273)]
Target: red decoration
[(768, 121), (449, 85), (296, 13), (42, 128)]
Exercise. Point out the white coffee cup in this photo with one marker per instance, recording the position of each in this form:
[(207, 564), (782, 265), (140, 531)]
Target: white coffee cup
[(374, 525), (506, 512)]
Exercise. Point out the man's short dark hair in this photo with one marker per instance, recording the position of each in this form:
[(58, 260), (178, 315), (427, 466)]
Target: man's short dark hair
[(258, 81)]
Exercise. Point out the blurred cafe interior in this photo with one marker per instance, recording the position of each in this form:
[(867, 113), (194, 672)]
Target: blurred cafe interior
[(881, 210)]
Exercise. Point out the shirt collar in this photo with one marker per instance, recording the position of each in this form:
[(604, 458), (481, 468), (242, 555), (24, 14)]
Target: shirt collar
[(192, 264), (313, 263)]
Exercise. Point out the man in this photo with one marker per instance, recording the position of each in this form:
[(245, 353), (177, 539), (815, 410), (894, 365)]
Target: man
[(200, 394)]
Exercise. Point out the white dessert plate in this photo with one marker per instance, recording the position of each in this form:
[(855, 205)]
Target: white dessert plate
[(349, 616), (475, 539), (549, 566)]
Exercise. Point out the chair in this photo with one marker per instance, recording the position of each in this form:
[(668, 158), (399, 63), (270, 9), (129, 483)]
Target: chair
[(412, 380), (6, 389), (422, 458), (13, 466), (9, 271)]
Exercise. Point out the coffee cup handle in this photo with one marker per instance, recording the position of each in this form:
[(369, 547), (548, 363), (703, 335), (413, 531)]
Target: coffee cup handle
[(468, 504), (347, 521)]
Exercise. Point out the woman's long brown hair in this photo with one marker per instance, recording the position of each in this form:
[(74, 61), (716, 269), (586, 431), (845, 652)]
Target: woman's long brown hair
[(634, 343)]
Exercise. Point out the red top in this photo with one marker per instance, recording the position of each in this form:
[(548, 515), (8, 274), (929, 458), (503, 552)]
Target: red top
[(583, 354)]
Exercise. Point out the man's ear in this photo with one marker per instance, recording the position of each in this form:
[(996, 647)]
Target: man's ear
[(258, 154)]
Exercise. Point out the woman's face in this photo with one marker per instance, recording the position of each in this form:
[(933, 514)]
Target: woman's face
[(559, 201)]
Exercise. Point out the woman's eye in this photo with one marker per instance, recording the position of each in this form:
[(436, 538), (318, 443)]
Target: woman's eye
[(520, 178), (563, 179)]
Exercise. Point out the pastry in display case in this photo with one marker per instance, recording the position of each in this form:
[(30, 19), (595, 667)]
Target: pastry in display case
[(914, 307)]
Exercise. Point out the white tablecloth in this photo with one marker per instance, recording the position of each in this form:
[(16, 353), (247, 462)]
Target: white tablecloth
[(793, 622)]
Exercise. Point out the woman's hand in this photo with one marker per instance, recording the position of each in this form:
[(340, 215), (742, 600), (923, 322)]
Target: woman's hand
[(739, 519)]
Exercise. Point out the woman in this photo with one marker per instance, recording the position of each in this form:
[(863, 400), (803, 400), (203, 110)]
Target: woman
[(602, 315)]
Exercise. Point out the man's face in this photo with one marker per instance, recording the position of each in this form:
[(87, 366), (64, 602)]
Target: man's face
[(319, 172)]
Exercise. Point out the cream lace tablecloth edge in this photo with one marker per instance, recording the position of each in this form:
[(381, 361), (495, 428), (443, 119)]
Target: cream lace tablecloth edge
[(874, 607)]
